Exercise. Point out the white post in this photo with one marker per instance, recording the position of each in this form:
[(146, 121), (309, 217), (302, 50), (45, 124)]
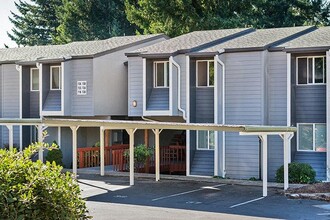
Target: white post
[(157, 153), (40, 140), (264, 164), (74, 149), (286, 151), (131, 155), (11, 137), (102, 151), (288, 98)]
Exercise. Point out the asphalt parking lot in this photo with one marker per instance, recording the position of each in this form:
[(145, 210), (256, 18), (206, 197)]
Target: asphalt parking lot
[(111, 197)]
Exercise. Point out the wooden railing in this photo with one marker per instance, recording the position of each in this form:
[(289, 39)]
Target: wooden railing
[(172, 158)]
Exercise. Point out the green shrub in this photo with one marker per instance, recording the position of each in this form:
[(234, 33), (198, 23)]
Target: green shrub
[(33, 190), (298, 173), (141, 154), (55, 155)]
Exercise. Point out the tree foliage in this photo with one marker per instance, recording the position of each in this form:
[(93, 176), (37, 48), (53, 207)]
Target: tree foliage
[(36, 22), (33, 190), (182, 16), (89, 20)]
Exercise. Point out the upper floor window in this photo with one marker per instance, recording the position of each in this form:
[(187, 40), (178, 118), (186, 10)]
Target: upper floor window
[(205, 73), (311, 70), (55, 77), (34, 77), (161, 74)]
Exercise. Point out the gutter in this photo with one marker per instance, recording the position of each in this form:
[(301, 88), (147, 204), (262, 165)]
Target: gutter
[(179, 87)]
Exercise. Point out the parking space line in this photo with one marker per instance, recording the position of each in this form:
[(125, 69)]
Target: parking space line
[(184, 193), (247, 202)]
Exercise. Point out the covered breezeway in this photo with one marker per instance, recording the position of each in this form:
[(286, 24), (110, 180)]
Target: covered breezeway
[(286, 133)]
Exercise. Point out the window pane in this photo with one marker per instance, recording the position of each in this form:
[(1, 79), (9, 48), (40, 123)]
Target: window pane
[(160, 74), (302, 71), (35, 79), (202, 73), (211, 73), (55, 78), (202, 140), (305, 137), (319, 70), (211, 139), (320, 137)]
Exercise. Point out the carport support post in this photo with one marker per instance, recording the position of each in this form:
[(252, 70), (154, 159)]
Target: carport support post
[(263, 139), (74, 149), (40, 140), (131, 155), (102, 151), (11, 137), (157, 153), (286, 152)]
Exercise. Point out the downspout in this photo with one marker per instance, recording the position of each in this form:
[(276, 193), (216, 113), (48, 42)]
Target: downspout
[(223, 109), (179, 88)]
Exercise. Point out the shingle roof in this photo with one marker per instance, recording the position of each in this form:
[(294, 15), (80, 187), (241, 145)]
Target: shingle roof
[(258, 39), (190, 41), (74, 49), (317, 38)]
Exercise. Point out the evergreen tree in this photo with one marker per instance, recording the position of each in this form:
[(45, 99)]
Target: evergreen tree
[(36, 22), (90, 20), (177, 17)]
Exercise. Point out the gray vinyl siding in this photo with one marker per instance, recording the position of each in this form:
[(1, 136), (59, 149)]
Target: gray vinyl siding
[(45, 82), (53, 101), (159, 99), (135, 86), (244, 105), (277, 108), (204, 105), (26, 93), (311, 104), (10, 97), (67, 87), (34, 104), (82, 105), (66, 146)]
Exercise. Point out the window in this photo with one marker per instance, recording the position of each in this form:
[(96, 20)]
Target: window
[(81, 87), (55, 77), (312, 137), (161, 74), (34, 79), (311, 70), (205, 140), (205, 73)]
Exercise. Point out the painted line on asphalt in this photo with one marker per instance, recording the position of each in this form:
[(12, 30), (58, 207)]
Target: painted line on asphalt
[(184, 193), (247, 202)]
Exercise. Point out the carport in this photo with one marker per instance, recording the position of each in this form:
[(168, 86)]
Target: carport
[(286, 133)]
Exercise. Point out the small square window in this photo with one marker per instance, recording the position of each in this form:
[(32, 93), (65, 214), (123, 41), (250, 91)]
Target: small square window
[(81, 87), (161, 74), (205, 73)]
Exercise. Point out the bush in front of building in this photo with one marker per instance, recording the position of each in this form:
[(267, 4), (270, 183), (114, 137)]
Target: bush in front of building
[(298, 173), (55, 155), (34, 190)]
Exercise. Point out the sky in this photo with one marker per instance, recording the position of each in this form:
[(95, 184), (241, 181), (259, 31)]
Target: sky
[(5, 25)]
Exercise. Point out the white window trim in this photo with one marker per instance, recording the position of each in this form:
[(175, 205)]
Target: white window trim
[(313, 77), (51, 77), (298, 124), (165, 74), (208, 142), (207, 74), (80, 92), (31, 85)]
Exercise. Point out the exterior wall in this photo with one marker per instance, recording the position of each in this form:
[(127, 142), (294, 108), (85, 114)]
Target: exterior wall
[(45, 82), (110, 77), (10, 99), (244, 105), (82, 105), (66, 146), (277, 108), (135, 86), (67, 87)]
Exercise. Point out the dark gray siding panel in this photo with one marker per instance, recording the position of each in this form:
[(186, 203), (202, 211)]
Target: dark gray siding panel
[(203, 163), (53, 101), (45, 81), (311, 104), (159, 99), (135, 86), (277, 108), (26, 92), (244, 105), (316, 160), (82, 70), (34, 105), (66, 146), (204, 105)]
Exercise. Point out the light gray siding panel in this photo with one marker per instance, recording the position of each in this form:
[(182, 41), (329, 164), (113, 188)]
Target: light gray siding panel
[(135, 85), (181, 60), (82, 105), (243, 105), (11, 106), (277, 108), (311, 104)]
